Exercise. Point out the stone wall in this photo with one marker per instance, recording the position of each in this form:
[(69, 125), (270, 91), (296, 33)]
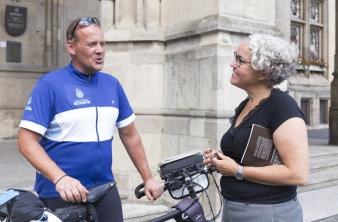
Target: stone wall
[(17, 79)]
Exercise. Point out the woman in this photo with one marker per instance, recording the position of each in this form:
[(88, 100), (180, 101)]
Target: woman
[(268, 193)]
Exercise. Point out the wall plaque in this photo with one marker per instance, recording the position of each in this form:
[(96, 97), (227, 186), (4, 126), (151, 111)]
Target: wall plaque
[(13, 51), (15, 20)]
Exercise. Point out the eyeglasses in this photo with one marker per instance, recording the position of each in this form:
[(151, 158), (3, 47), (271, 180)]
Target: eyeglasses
[(84, 22), (239, 59)]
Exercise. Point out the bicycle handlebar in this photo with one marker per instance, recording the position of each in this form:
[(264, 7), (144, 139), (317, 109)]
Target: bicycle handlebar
[(174, 213), (138, 192)]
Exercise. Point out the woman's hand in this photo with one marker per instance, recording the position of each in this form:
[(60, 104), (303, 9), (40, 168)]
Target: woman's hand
[(209, 154), (224, 164)]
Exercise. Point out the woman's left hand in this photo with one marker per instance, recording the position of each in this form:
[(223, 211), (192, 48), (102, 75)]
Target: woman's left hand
[(224, 164)]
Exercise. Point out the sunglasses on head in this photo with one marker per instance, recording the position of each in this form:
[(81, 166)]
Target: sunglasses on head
[(84, 22)]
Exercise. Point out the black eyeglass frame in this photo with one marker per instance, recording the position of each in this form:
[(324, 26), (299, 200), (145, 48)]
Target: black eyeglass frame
[(84, 22), (239, 59)]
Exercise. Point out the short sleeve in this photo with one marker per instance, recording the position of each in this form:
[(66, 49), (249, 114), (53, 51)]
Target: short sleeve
[(285, 107), (126, 114), (39, 108)]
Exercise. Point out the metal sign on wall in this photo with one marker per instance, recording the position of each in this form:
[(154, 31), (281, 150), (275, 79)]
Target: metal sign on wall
[(15, 20), (13, 52)]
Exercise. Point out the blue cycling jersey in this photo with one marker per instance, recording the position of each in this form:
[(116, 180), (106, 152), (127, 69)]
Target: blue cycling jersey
[(76, 114)]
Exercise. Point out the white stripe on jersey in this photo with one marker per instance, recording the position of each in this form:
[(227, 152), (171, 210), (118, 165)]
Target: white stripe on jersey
[(32, 126), (79, 125), (125, 122)]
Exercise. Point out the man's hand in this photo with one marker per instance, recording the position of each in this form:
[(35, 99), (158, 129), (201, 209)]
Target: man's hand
[(153, 189), (71, 190)]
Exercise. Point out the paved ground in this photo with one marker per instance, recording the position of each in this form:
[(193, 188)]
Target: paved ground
[(320, 205), (318, 136), (15, 170)]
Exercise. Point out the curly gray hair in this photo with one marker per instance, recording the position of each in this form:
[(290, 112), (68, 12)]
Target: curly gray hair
[(273, 55)]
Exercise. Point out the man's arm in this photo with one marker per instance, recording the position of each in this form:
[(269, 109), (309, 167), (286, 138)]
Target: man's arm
[(69, 188), (133, 144)]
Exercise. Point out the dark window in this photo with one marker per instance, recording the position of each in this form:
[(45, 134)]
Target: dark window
[(305, 107), (323, 111)]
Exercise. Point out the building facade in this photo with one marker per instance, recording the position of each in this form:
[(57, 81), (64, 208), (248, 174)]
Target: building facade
[(173, 59), (312, 25)]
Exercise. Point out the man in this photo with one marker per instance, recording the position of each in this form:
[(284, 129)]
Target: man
[(67, 128)]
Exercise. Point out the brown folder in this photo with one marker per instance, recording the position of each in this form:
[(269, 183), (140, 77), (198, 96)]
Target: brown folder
[(260, 149)]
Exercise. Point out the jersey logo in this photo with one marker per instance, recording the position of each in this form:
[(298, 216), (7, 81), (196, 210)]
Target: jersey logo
[(79, 94), (28, 107)]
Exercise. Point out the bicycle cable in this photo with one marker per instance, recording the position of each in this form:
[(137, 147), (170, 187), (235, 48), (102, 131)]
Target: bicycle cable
[(210, 206), (219, 195), (206, 193)]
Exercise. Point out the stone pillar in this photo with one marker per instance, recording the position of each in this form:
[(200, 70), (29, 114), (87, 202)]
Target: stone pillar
[(107, 18), (333, 124), (152, 11), (125, 13), (55, 38), (48, 39)]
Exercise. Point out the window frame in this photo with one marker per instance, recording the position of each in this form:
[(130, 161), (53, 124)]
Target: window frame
[(305, 34)]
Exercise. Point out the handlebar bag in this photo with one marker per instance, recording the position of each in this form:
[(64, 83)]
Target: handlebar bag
[(192, 211), (24, 207)]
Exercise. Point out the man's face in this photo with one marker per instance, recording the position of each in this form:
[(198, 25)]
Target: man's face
[(88, 51)]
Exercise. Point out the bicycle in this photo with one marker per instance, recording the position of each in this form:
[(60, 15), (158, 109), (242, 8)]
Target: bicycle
[(184, 177), (26, 203)]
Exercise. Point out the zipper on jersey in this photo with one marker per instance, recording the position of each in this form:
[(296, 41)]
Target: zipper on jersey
[(96, 129)]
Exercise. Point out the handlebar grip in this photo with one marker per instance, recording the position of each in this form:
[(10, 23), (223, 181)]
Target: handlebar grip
[(139, 191)]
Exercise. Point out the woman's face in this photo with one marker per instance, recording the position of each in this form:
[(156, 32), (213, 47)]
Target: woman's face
[(243, 75)]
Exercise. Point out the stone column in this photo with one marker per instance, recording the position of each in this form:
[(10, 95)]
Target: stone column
[(333, 124), (108, 16), (48, 38)]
